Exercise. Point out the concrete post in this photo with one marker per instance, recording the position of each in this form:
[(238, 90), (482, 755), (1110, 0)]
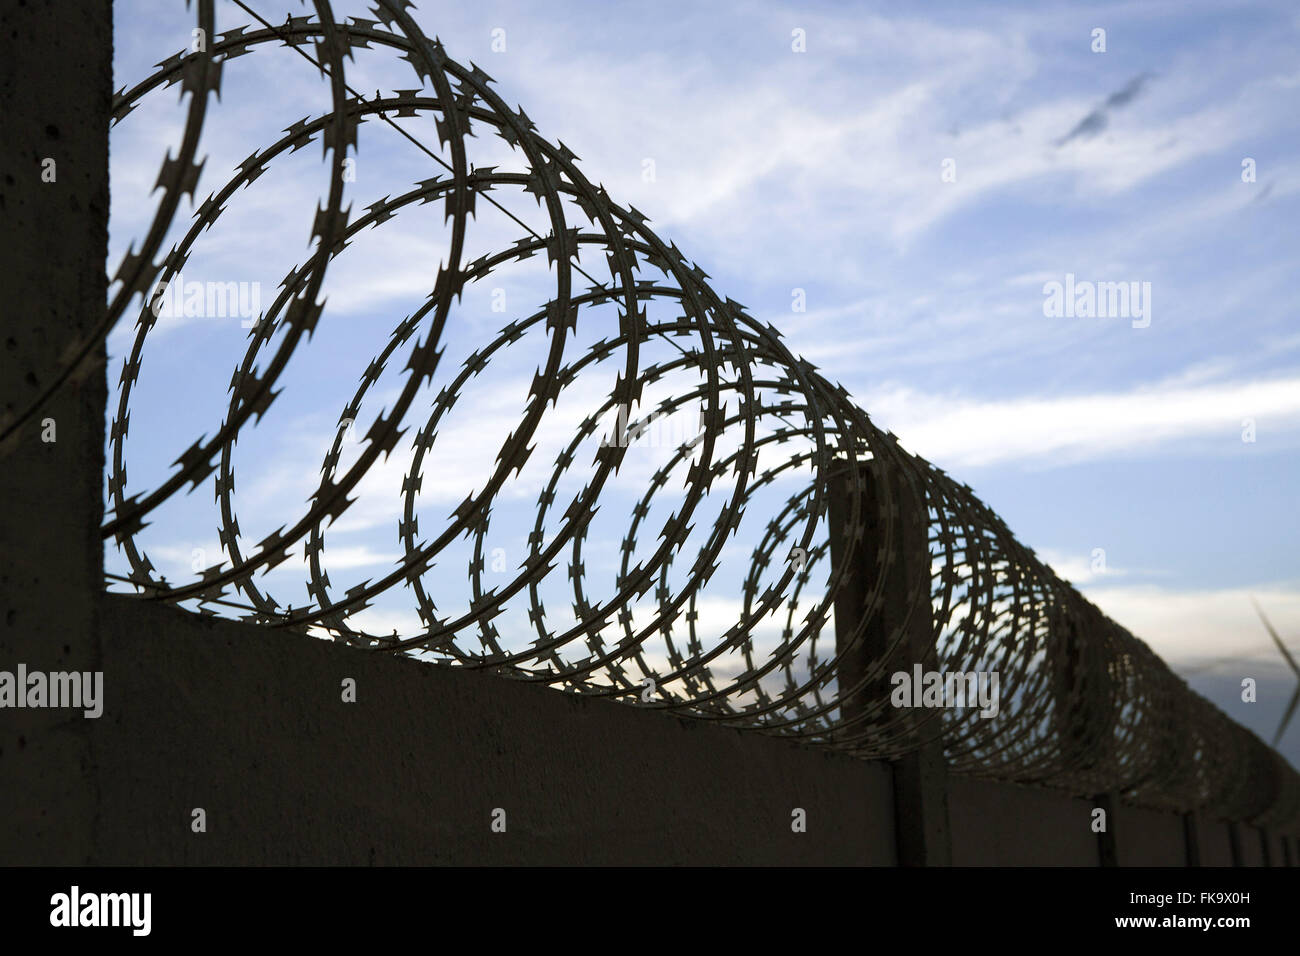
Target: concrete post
[(1234, 843), (1192, 838), (920, 786), (1107, 852), (55, 95)]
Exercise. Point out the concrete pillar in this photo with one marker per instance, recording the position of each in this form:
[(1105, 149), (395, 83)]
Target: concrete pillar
[(1234, 843), (55, 95), (1107, 851), (920, 786), (1192, 839)]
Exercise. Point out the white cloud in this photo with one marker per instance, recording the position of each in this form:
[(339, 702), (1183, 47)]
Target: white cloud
[(959, 431), (1190, 628), (1079, 569)]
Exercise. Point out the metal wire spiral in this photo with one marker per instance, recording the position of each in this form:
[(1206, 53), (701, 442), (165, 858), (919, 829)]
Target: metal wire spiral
[(783, 460)]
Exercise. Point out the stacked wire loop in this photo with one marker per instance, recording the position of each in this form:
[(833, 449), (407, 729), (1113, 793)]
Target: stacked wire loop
[(871, 563)]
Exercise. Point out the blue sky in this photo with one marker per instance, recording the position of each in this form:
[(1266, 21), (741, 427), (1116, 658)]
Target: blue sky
[(821, 170)]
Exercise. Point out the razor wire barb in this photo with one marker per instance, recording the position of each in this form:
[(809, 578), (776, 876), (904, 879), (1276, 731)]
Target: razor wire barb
[(1087, 706)]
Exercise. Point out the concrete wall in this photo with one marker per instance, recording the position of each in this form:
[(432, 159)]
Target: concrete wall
[(1213, 842), (1149, 837), (1001, 824), (250, 725)]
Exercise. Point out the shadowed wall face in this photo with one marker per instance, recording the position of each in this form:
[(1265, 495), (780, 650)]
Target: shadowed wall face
[(55, 90), (211, 714)]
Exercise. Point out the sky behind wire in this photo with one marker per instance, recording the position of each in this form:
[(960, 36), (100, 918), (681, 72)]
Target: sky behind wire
[(815, 177)]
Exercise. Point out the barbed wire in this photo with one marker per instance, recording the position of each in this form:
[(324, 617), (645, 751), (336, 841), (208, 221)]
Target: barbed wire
[(869, 561)]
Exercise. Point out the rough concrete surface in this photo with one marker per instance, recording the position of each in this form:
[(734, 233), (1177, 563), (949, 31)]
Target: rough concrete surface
[(250, 726), (51, 264)]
